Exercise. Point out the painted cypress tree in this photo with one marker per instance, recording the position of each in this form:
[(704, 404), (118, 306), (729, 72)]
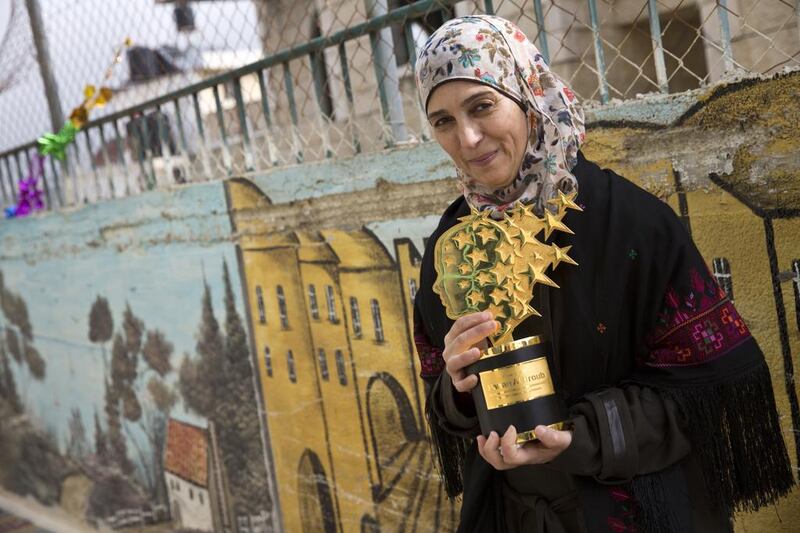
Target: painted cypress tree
[(100, 445), (77, 446), (202, 380), (8, 385), (239, 427), (117, 448)]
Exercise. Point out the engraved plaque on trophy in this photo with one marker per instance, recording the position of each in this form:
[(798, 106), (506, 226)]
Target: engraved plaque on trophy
[(487, 264)]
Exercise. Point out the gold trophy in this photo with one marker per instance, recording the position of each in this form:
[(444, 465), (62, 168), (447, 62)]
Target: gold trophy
[(486, 264)]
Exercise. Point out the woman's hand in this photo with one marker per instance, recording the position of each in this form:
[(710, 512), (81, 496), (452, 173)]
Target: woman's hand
[(504, 454), (463, 344)]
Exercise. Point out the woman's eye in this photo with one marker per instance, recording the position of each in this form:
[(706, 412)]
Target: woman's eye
[(441, 122), (483, 106)]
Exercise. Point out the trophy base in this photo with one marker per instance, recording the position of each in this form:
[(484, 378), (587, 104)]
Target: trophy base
[(516, 388), (529, 436)]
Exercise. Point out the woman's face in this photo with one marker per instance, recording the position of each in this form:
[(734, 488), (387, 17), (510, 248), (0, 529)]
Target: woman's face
[(484, 132)]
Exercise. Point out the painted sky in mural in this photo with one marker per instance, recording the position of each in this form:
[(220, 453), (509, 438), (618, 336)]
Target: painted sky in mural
[(163, 286)]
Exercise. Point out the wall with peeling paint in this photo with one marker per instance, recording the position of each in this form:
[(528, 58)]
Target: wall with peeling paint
[(324, 260)]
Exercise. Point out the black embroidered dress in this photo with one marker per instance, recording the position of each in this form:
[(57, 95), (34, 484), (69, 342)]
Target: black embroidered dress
[(670, 397)]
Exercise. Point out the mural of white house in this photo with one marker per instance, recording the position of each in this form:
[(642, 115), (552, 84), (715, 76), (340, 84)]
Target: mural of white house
[(192, 478)]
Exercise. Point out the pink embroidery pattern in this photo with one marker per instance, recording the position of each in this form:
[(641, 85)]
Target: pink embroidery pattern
[(430, 356), (696, 327), (625, 506)]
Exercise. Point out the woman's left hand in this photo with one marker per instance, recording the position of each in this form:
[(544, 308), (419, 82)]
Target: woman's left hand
[(504, 454)]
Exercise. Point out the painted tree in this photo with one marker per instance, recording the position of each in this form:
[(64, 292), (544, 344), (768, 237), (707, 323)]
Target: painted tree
[(241, 440), (101, 324), (19, 332), (77, 445), (100, 445), (202, 381), (157, 352), (8, 385), (218, 384), (141, 397)]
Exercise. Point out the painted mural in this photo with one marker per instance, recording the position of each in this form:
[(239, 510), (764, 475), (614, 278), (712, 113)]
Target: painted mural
[(238, 356), (120, 423), (127, 393)]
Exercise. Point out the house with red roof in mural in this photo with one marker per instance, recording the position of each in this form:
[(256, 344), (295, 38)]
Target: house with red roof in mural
[(193, 475)]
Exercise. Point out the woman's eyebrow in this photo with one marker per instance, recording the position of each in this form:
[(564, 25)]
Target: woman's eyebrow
[(466, 102)]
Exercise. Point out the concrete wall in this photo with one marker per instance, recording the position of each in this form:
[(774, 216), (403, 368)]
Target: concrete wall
[(341, 443)]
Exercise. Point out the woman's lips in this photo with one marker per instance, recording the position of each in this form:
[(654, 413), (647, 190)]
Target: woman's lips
[(484, 159)]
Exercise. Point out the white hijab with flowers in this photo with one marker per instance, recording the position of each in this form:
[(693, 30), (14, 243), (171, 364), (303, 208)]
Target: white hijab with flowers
[(493, 51)]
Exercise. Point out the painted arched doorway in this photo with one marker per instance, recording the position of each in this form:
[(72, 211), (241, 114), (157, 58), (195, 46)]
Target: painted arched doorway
[(392, 427), (314, 491)]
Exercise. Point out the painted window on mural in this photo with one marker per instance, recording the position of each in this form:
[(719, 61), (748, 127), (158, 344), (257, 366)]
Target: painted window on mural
[(262, 315), (290, 364), (323, 364), (356, 314), (282, 308), (312, 302), (796, 285), (340, 368), (191, 493), (267, 361), (200, 496), (331, 304), (412, 289), (376, 320), (722, 272)]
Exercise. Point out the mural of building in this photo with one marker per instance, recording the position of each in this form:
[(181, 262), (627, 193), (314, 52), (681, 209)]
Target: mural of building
[(329, 311)]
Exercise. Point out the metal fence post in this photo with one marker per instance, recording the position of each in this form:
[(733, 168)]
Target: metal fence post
[(386, 74), (599, 56), (543, 48), (43, 58), (797, 22), (725, 34), (658, 48)]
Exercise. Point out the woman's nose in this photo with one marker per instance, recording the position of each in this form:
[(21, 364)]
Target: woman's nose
[(469, 134)]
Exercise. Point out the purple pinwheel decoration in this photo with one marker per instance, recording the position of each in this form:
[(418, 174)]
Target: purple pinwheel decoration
[(30, 196)]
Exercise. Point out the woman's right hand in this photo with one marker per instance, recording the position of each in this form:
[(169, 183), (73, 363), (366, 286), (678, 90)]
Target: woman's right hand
[(463, 344)]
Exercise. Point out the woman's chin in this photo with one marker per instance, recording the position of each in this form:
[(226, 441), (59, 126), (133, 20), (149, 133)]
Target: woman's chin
[(492, 181)]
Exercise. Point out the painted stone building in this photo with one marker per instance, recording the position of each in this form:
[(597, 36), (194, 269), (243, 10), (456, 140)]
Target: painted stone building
[(328, 311)]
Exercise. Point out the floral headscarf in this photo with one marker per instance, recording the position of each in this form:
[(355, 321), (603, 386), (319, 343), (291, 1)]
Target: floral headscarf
[(493, 51)]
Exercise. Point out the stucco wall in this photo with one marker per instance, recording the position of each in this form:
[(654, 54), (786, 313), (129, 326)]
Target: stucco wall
[(341, 442)]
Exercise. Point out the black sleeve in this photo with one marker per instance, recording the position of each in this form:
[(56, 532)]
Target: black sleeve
[(622, 432)]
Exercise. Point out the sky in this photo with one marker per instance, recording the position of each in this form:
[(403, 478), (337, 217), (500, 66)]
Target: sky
[(82, 36)]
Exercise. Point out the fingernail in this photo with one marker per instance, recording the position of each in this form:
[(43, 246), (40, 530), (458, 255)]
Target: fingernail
[(496, 325)]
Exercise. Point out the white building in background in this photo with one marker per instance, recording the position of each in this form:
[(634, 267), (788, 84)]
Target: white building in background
[(193, 479)]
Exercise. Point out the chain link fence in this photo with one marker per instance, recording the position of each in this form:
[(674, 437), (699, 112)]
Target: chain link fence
[(213, 88)]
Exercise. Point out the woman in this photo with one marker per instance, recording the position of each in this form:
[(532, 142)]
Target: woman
[(673, 421)]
